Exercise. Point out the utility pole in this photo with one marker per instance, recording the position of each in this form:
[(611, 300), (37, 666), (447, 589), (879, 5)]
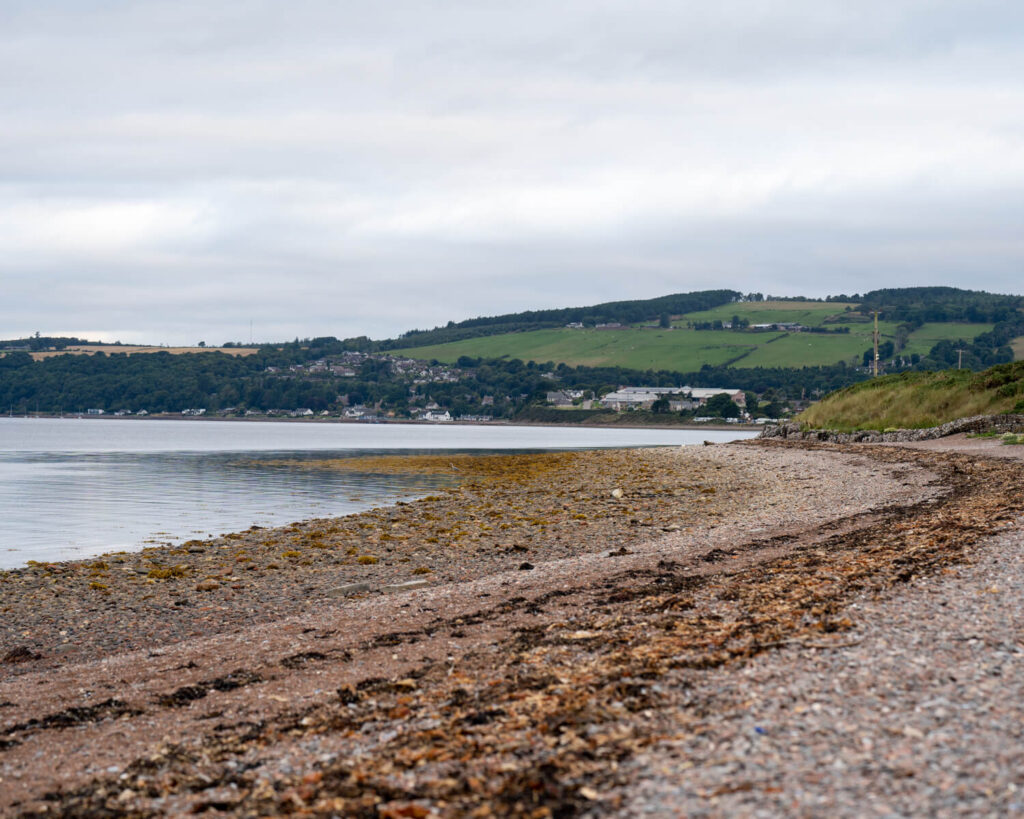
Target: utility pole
[(959, 358), (874, 337)]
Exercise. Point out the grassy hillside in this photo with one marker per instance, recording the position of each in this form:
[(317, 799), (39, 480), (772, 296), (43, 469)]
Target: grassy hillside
[(679, 350), (920, 399), (768, 312), (686, 350)]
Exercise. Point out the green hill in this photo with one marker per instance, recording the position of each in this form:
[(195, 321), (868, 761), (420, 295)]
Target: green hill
[(914, 400), (686, 349)]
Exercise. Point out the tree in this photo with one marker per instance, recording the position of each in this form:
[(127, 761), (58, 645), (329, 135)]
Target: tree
[(722, 405), (665, 320)]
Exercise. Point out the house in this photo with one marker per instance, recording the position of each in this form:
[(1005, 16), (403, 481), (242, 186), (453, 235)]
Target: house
[(437, 416)]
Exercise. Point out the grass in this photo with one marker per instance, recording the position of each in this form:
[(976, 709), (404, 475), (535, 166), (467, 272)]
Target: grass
[(916, 400), (680, 350), (685, 350), (1018, 348), (922, 340), (110, 349), (810, 313)]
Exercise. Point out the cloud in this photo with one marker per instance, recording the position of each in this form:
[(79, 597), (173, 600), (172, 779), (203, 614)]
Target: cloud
[(177, 169)]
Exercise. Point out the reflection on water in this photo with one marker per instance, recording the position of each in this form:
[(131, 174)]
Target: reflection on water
[(59, 506)]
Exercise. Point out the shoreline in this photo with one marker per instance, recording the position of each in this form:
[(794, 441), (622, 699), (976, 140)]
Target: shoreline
[(404, 421), (498, 686)]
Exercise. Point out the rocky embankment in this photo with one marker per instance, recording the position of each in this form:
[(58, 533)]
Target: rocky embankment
[(975, 424)]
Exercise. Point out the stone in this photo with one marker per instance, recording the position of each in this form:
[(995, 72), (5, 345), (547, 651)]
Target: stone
[(347, 589), (976, 423), (407, 586), (207, 585)]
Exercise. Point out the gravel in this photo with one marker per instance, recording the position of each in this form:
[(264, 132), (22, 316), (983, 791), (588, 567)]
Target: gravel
[(919, 712)]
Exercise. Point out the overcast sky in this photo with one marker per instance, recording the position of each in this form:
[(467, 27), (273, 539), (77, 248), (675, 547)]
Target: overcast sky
[(171, 171)]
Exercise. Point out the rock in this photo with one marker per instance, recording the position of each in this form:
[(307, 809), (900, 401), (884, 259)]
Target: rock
[(617, 493), (976, 423), (207, 585), (21, 654), (525, 567), (347, 589), (400, 587)]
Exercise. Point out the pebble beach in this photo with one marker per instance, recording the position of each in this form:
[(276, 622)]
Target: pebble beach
[(767, 628)]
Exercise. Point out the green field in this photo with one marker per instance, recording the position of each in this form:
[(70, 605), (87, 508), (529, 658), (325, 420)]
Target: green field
[(681, 350), (931, 334), (810, 313), (1018, 348), (685, 350)]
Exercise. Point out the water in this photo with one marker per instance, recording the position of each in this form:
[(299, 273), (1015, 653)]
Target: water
[(71, 488)]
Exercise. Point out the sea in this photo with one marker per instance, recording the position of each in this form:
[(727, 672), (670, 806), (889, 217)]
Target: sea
[(72, 488)]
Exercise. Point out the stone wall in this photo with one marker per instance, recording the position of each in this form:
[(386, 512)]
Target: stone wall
[(976, 423)]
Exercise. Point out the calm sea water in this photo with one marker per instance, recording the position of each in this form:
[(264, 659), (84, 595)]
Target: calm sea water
[(71, 488)]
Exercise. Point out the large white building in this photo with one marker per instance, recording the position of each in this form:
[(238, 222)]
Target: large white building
[(644, 397)]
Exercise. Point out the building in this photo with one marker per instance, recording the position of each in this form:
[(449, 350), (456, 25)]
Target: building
[(686, 398), (702, 394), (637, 397)]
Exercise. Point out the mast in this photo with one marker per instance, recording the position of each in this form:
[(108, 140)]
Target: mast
[(874, 337)]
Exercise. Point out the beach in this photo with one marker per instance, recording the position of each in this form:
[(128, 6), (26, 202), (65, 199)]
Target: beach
[(628, 632)]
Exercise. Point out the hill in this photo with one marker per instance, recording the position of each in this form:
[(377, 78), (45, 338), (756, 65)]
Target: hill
[(622, 312), (829, 333), (914, 400)]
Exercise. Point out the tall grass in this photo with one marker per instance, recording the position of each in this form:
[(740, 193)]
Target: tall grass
[(919, 399)]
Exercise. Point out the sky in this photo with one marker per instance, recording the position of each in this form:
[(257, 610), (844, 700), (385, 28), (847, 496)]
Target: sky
[(180, 171)]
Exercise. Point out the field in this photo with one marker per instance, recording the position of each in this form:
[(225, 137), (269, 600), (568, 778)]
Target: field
[(931, 334), (686, 350), (1018, 348), (810, 313), (109, 349), (658, 349)]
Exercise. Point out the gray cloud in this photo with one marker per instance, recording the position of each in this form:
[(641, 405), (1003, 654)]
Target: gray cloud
[(170, 171)]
